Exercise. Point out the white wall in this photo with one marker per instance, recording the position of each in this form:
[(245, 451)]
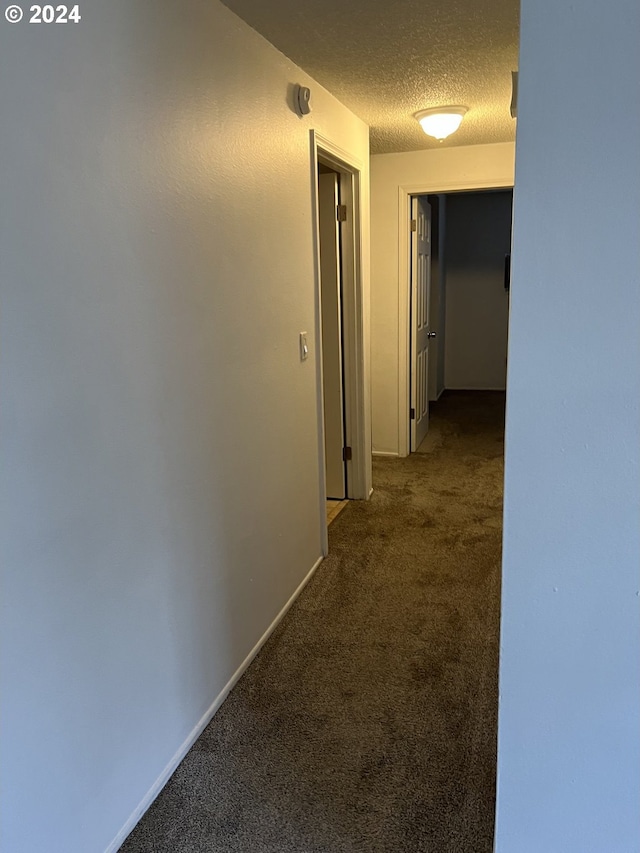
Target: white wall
[(159, 433), (425, 171), (478, 238), (569, 739)]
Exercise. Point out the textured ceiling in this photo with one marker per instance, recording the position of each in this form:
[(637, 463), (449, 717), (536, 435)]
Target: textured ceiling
[(386, 59)]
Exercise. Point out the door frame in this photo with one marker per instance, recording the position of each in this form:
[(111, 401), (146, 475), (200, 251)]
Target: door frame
[(405, 192), (358, 468)]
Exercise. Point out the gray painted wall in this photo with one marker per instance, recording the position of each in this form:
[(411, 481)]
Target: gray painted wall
[(569, 735), (442, 282), (477, 239)]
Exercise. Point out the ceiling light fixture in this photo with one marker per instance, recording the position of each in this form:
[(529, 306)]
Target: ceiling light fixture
[(440, 122)]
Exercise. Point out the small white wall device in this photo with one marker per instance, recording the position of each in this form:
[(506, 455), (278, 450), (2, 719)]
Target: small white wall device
[(304, 347), (302, 97)]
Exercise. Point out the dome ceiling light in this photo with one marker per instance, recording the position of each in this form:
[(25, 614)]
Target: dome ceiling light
[(440, 122)]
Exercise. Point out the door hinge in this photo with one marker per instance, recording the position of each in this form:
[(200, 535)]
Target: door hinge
[(412, 414), (414, 224), (347, 454), (341, 212)]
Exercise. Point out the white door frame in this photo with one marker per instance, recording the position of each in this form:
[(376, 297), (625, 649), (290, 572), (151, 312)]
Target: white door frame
[(405, 192), (358, 468)]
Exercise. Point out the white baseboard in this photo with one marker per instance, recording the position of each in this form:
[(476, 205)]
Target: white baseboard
[(201, 725), (382, 453), (466, 388)]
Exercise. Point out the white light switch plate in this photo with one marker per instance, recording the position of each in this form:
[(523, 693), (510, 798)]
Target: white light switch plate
[(304, 347)]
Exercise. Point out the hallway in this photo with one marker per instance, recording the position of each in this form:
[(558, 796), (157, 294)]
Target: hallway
[(368, 721)]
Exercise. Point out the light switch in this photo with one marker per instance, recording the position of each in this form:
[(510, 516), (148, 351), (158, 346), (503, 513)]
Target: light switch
[(304, 347)]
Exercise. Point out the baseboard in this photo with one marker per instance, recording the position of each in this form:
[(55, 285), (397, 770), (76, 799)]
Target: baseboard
[(470, 390), (382, 453), (201, 725)]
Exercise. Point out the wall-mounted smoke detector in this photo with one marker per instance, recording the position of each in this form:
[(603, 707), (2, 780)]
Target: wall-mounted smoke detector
[(441, 122)]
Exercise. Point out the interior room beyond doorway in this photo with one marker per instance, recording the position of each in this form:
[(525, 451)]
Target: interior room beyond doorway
[(467, 294)]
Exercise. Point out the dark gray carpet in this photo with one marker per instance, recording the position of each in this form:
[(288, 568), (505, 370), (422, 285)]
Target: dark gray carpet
[(368, 721)]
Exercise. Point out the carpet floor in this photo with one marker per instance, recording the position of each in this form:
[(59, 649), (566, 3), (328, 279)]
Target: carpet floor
[(368, 721)]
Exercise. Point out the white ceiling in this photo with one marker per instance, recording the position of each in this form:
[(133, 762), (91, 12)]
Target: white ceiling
[(386, 59)]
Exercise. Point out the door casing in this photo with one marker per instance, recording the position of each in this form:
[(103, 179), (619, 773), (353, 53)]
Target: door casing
[(405, 191)]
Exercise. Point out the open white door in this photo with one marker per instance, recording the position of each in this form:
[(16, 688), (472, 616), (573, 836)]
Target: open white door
[(331, 334), (420, 331)]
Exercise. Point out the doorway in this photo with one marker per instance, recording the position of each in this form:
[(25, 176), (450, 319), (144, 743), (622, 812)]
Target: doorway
[(344, 442), (461, 301), (330, 215)]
